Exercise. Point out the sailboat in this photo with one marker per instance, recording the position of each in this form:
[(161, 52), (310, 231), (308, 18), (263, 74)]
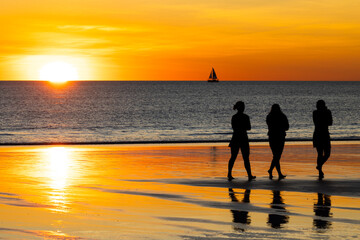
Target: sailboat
[(213, 77)]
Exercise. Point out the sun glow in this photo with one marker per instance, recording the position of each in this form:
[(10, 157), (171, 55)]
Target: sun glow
[(58, 72)]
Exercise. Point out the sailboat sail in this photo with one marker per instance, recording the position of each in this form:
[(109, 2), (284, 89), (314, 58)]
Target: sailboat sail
[(213, 77), (214, 74)]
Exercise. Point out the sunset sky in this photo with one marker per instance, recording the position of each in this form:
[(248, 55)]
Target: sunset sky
[(182, 40)]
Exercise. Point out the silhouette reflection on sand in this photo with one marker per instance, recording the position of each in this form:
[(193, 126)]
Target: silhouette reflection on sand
[(240, 216), (277, 220), (322, 209)]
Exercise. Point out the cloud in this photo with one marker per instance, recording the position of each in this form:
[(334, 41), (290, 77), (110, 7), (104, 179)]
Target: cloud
[(101, 28), (91, 27)]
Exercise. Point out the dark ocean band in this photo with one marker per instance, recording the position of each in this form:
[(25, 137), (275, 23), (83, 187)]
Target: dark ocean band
[(165, 142)]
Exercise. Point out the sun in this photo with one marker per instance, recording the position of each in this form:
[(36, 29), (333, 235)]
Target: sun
[(58, 72)]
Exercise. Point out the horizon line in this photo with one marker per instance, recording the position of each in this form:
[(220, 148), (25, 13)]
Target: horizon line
[(174, 80)]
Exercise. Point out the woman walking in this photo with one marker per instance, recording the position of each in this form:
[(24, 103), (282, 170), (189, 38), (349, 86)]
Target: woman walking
[(321, 140), (278, 124), (240, 123)]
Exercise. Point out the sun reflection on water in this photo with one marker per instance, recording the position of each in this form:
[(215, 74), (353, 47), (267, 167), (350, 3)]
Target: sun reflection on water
[(58, 171), (58, 167)]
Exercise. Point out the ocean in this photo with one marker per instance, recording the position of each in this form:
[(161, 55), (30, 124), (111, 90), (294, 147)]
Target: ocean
[(156, 111)]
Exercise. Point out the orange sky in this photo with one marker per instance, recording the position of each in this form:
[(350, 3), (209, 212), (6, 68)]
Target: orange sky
[(182, 40)]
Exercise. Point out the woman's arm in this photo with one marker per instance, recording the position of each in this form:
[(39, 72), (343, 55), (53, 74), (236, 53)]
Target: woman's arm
[(330, 118), (286, 123), (248, 125)]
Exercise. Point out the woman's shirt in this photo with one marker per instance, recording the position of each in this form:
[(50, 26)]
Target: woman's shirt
[(240, 123), (277, 123), (322, 120)]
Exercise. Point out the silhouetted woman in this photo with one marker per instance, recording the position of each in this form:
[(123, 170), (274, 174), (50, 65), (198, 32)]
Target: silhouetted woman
[(278, 124), (240, 123), (321, 140)]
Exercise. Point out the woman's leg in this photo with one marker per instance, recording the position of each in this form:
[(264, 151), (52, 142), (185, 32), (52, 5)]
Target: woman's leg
[(234, 153), (272, 165), (323, 156), (319, 150), (277, 147), (320, 162), (245, 151), (279, 152), (327, 151)]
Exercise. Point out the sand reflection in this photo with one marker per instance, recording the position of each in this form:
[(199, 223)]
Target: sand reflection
[(58, 170)]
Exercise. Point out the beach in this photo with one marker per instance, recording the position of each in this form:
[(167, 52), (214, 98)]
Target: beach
[(176, 191)]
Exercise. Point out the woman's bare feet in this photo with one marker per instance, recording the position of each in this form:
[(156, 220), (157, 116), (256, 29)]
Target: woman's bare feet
[(251, 177), (230, 178), (282, 176)]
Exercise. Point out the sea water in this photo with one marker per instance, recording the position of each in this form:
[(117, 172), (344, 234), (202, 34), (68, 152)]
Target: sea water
[(156, 111)]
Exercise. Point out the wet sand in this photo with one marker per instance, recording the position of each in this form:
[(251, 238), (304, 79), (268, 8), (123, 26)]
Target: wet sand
[(176, 191)]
